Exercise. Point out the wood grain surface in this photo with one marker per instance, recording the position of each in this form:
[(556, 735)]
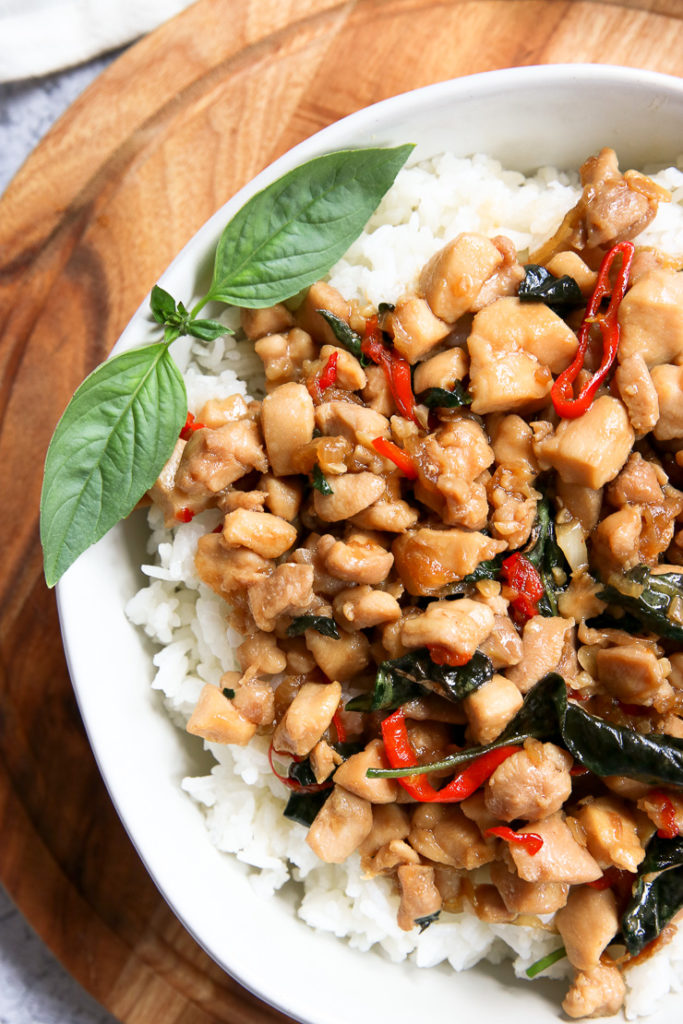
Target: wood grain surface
[(165, 136)]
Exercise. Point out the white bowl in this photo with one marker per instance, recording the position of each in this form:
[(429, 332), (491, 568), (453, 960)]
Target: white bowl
[(525, 117)]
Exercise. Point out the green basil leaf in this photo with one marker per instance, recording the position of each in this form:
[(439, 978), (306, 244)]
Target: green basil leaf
[(560, 293), (207, 330), (321, 623), (344, 334), (162, 304), (320, 482), (441, 398), (652, 606), (109, 447), (291, 233)]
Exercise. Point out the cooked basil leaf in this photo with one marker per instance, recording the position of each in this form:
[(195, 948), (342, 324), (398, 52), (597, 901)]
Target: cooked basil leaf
[(344, 334), (301, 772), (402, 679), (228, 692), (108, 449), (560, 293), (440, 398), (546, 555), (321, 623), (320, 482), (424, 922), (290, 234), (487, 570), (304, 807), (656, 897), (655, 603)]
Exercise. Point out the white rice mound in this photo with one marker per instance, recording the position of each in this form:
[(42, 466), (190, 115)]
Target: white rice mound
[(241, 799)]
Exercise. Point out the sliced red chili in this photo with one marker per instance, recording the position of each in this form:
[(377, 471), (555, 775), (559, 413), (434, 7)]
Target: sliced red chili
[(531, 841), (339, 726), (578, 769), (441, 655), (400, 754), (400, 458), (562, 392), (611, 876), (524, 579), (185, 515), (669, 827), (396, 368), (328, 375), (292, 783), (190, 426)]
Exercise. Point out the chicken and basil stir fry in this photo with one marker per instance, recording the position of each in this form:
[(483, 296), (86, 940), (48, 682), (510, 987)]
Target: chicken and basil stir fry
[(452, 544)]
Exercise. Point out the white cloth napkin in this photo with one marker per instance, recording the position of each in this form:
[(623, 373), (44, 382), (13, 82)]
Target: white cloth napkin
[(38, 36)]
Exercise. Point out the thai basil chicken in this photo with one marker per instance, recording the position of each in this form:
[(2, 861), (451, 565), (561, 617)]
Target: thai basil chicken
[(451, 541)]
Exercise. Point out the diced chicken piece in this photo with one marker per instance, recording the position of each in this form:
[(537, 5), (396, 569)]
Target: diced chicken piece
[(441, 371), (339, 659), (570, 263), (599, 992), (428, 559), (363, 607), (610, 827), (531, 784), (474, 808), (324, 759), (616, 540), (491, 707), (307, 718), (664, 808), (639, 481), (542, 645), (283, 495), (284, 355), (668, 382), (629, 789), (173, 502), (442, 833), (459, 626), (212, 459), (219, 411), (512, 442), (513, 501), (261, 653), (587, 924), (390, 857), (650, 319), (377, 393), (503, 644), (638, 393), (635, 675), (350, 421), (216, 719), (676, 677), (231, 500), (352, 493), (350, 374), (288, 590), (225, 569), (560, 859), (266, 534), (671, 725), (288, 420), (358, 559), (506, 278), (453, 277), (514, 349), (271, 320), (591, 449), (340, 826), (389, 822), (391, 514), (486, 903), (419, 896), (522, 897), (322, 296), (352, 775), (583, 503), (615, 206), (460, 449), (416, 330), (255, 700)]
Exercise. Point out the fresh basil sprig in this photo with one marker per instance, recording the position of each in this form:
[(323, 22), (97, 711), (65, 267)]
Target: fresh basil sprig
[(120, 427)]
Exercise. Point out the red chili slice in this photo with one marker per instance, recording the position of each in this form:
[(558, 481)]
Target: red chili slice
[(400, 458), (669, 828), (531, 841), (292, 783), (190, 426), (185, 515), (524, 579), (445, 656)]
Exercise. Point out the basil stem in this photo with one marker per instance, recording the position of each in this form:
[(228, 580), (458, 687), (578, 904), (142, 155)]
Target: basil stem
[(545, 962)]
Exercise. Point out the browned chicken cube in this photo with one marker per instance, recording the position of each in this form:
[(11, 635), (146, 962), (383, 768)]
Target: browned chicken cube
[(218, 720), (419, 896), (307, 718), (340, 826)]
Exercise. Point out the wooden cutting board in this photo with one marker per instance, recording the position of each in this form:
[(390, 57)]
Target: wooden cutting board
[(165, 136)]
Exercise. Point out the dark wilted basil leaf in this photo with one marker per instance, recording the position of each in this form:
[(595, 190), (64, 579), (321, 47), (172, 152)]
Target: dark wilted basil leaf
[(560, 293), (321, 623), (653, 605), (320, 482), (342, 332), (304, 807), (424, 922), (545, 554), (657, 897), (402, 679), (228, 692)]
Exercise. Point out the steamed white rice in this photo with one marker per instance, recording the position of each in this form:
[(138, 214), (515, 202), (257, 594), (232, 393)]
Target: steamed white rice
[(241, 799)]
